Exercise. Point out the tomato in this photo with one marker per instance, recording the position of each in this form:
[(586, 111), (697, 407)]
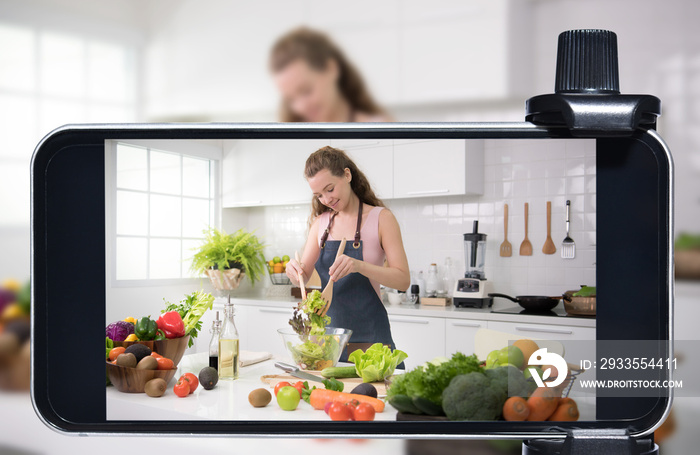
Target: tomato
[(165, 364), (288, 398), (194, 382), (327, 406), (156, 355), (114, 352), (182, 388), (340, 411), (299, 385), (279, 385), (363, 412)]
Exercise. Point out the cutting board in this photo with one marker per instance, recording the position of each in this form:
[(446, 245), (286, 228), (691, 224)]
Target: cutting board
[(350, 383)]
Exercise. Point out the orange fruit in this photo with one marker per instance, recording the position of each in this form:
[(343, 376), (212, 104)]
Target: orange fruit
[(528, 347), (278, 268)]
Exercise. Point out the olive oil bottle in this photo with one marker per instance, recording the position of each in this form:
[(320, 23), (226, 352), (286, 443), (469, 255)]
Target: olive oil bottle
[(228, 346), (214, 343)]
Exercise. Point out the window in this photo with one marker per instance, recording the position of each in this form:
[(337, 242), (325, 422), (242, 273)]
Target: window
[(162, 201)]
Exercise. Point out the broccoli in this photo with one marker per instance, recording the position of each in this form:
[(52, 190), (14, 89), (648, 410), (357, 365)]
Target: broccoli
[(472, 396), (480, 396)]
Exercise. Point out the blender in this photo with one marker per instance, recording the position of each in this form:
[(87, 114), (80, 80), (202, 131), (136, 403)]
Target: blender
[(472, 290)]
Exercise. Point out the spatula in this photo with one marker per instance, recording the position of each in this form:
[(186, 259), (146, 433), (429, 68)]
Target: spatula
[(568, 247), (327, 294), (506, 248), (548, 247), (300, 277), (526, 246)]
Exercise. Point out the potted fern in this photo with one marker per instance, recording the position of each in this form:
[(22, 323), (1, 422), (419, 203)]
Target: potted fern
[(227, 258)]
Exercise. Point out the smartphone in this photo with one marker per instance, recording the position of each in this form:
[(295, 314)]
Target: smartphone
[(116, 209)]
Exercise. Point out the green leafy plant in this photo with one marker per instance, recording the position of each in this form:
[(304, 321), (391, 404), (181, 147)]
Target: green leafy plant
[(226, 251)]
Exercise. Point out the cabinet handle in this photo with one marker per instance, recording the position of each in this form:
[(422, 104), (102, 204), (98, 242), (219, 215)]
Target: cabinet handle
[(420, 193), (528, 329), (274, 310), (247, 202), (410, 320), (466, 324)]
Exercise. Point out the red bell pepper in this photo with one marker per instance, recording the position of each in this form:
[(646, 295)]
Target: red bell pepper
[(171, 324)]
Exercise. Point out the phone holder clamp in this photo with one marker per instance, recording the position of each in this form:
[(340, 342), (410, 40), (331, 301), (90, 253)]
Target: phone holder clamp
[(599, 441), (587, 99)]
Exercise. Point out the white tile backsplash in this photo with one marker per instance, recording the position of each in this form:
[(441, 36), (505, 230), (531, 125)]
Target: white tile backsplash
[(515, 172)]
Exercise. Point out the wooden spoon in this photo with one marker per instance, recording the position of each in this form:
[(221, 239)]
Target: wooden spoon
[(506, 247), (549, 247), (526, 246), (300, 277), (327, 294)]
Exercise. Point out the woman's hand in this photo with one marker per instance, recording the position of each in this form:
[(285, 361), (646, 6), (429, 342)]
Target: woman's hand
[(343, 266), (293, 270)]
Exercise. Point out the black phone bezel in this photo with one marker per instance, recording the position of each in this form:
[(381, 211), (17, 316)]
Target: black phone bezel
[(68, 240)]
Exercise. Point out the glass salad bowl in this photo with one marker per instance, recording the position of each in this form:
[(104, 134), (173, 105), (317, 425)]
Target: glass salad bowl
[(315, 352)]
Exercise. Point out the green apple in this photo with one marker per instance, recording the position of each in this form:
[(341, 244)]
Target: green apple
[(516, 357), (492, 359)]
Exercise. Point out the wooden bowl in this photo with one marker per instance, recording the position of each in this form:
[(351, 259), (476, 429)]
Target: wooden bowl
[(172, 349), (131, 380)]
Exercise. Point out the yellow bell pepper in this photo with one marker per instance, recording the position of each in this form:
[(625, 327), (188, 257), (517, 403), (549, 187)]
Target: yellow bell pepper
[(130, 319), (132, 337), (12, 311)]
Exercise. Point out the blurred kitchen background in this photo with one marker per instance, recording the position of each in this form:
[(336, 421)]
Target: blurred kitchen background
[(71, 61)]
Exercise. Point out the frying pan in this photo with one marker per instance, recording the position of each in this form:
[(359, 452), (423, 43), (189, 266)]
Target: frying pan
[(532, 302)]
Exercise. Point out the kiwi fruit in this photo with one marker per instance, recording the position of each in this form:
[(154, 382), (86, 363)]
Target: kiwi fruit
[(208, 377), (139, 350), (147, 363), (127, 360), (156, 387), (260, 398)]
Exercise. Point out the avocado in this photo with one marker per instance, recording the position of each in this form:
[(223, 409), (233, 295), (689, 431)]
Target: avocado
[(365, 389), (139, 350), (208, 377)]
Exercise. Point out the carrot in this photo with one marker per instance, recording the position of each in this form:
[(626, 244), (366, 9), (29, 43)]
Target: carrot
[(515, 409), (319, 398), (566, 411), (542, 403)]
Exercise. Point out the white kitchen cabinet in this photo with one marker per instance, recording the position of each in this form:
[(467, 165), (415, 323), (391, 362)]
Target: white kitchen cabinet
[(257, 172), (460, 335), (421, 338), (574, 339), (375, 158), (261, 329), (443, 167)]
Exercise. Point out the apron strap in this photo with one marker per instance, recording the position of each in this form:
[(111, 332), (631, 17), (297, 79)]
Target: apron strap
[(356, 243)]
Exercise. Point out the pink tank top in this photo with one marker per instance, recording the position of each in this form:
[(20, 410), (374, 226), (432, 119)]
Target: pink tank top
[(372, 251)]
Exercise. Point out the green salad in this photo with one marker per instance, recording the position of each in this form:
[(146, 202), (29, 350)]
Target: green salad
[(317, 350)]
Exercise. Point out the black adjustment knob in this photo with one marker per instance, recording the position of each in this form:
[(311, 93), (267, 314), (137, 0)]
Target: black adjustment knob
[(587, 62)]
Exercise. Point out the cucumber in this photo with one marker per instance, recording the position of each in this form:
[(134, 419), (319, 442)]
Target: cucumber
[(404, 403), (427, 406), (339, 372)]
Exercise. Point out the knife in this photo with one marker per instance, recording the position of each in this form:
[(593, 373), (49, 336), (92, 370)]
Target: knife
[(297, 373)]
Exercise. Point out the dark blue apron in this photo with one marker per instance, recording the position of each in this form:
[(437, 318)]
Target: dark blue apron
[(356, 305)]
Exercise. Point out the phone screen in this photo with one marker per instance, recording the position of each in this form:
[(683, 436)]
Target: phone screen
[(538, 243)]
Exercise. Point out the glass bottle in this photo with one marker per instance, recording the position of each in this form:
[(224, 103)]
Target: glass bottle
[(448, 277), (421, 284), (214, 343), (228, 345), (432, 284)]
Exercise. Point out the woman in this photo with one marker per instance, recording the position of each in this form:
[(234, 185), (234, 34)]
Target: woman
[(344, 206), (318, 83)]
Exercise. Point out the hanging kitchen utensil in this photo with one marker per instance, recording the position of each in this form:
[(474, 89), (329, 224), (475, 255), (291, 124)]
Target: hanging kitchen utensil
[(300, 277), (327, 294), (526, 246), (548, 247), (506, 248), (568, 247), (531, 302)]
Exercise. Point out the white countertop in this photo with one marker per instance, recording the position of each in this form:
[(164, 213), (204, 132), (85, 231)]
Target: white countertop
[(227, 401), (259, 298)]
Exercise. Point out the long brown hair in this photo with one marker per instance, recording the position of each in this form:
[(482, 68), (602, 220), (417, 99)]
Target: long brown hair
[(336, 161), (317, 49)]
